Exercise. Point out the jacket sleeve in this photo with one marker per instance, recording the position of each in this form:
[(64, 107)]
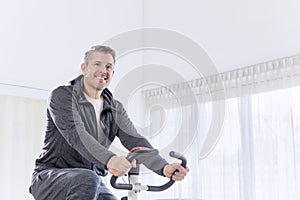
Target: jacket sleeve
[(130, 138), (63, 109)]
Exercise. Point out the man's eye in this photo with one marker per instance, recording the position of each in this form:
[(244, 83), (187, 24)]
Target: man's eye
[(109, 67)]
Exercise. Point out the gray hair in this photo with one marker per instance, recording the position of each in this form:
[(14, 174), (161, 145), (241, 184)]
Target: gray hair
[(101, 49)]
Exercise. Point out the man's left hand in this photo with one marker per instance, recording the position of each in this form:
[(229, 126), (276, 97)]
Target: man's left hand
[(179, 174)]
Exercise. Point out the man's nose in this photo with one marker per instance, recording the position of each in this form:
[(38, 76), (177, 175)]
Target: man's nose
[(102, 69)]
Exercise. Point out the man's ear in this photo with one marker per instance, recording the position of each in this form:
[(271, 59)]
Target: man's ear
[(84, 69)]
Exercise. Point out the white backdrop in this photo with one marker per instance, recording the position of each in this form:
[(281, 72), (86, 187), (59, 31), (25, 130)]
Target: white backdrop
[(21, 134), (42, 42), (42, 45)]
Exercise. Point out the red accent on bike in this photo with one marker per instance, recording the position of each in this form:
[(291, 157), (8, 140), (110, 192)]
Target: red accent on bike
[(137, 148)]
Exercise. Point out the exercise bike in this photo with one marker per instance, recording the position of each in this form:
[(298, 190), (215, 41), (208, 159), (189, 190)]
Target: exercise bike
[(140, 154)]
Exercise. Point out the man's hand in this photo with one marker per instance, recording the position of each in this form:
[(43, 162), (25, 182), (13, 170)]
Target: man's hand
[(119, 165), (171, 168)]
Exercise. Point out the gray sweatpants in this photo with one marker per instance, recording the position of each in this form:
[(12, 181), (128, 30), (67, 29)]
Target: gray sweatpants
[(69, 184)]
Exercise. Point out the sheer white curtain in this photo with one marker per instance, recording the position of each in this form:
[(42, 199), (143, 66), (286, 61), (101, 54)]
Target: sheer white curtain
[(276, 144), (22, 122), (258, 154)]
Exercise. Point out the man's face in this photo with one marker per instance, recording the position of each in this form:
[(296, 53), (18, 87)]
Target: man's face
[(99, 70)]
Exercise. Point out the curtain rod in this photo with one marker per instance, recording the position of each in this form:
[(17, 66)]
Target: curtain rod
[(274, 70)]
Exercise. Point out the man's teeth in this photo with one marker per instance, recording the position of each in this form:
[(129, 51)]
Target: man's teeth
[(101, 78)]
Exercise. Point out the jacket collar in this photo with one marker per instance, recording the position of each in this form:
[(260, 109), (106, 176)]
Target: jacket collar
[(77, 84)]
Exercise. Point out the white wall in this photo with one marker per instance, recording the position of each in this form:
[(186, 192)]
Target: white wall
[(21, 132), (42, 42), (234, 33)]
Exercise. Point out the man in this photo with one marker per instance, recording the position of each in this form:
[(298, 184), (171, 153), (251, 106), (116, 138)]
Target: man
[(83, 119)]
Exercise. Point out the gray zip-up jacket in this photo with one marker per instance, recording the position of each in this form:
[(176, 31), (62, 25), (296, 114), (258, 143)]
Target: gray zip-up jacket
[(73, 139)]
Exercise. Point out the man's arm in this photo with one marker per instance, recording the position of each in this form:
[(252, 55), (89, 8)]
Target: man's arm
[(64, 112)]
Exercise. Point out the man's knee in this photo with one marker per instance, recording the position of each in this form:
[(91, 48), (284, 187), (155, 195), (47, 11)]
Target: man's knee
[(86, 177), (84, 185), (66, 184)]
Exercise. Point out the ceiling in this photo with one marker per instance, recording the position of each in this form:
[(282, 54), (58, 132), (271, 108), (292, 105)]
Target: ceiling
[(42, 42)]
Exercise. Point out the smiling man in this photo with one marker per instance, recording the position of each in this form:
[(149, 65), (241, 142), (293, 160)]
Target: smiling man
[(98, 70), (83, 119)]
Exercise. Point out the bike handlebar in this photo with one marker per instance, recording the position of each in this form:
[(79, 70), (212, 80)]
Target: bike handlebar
[(140, 156)]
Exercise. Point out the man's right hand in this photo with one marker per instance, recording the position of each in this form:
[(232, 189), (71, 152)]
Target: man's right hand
[(119, 165)]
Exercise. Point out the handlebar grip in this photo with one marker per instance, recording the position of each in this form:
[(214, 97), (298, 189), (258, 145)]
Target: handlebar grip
[(180, 157), (121, 186)]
